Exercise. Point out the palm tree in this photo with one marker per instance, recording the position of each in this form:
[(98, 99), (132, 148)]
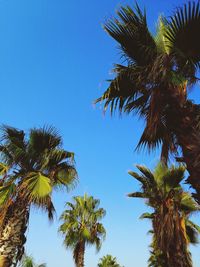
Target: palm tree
[(28, 261), (154, 80), (172, 207), (157, 258), (108, 261), (32, 166), (81, 226)]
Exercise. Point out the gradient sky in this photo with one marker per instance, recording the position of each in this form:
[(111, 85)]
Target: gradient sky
[(54, 60)]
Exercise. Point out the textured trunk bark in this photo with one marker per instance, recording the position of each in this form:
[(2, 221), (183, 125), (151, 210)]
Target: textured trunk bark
[(12, 236), (79, 254), (170, 238), (4, 262), (183, 120), (187, 131)]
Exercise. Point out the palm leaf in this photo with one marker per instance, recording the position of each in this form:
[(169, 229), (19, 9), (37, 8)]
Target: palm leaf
[(194, 225), (132, 33), (142, 179), (3, 168), (43, 138), (123, 89), (37, 185), (174, 176), (147, 173), (6, 191), (67, 176), (192, 232), (188, 204), (147, 215), (137, 194), (182, 34)]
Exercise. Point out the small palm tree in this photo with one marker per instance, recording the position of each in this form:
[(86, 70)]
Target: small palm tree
[(28, 261), (81, 226), (32, 166), (108, 261), (157, 73), (172, 207)]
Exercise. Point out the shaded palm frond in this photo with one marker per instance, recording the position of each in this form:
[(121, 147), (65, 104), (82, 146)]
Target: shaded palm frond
[(131, 32), (182, 37)]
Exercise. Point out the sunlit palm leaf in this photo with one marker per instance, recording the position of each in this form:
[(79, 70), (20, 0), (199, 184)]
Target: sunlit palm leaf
[(37, 185), (3, 168)]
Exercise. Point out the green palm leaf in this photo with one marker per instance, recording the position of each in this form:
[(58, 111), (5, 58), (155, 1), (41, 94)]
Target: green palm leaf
[(137, 194), (147, 215), (3, 168), (6, 192), (37, 185)]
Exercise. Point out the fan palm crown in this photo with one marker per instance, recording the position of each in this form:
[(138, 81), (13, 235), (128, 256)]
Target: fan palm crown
[(81, 226), (153, 82), (172, 207), (28, 261), (31, 167), (108, 261)]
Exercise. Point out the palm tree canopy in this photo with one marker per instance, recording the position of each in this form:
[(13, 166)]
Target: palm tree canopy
[(28, 261), (32, 166), (172, 207), (164, 182), (108, 261), (81, 222), (164, 186), (156, 65)]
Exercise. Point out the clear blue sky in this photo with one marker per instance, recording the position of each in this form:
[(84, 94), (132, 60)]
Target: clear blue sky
[(54, 60)]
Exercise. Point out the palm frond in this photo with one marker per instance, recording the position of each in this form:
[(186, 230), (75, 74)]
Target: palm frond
[(43, 138), (137, 194), (148, 174), (147, 215), (188, 204), (12, 135), (182, 36), (192, 231), (6, 192), (66, 175), (174, 176), (37, 185), (140, 178), (131, 32), (123, 90)]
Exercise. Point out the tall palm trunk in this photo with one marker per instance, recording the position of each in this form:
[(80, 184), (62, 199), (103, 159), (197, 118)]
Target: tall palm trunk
[(189, 140), (79, 254), (170, 236), (12, 236), (184, 121)]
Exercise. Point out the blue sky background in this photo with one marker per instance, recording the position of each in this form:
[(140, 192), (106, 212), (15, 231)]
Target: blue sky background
[(54, 60)]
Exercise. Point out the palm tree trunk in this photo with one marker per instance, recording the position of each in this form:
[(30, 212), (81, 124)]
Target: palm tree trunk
[(12, 236), (184, 121), (188, 136), (169, 237), (79, 254)]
